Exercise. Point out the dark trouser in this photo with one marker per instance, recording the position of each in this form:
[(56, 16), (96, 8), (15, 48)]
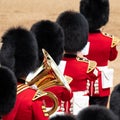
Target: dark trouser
[(99, 101)]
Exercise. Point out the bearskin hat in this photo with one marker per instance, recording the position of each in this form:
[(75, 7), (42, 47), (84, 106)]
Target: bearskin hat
[(75, 28), (63, 117), (19, 51), (96, 12), (96, 112), (115, 100), (49, 36), (7, 90)]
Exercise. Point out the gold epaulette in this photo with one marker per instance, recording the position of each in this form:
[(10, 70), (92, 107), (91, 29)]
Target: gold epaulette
[(115, 40), (22, 87), (91, 66), (68, 78), (39, 94), (106, 34), (51, 95)]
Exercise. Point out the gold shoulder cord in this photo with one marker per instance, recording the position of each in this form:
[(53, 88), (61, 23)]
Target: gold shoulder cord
[(44, 111), (21, 88), (91, 66)]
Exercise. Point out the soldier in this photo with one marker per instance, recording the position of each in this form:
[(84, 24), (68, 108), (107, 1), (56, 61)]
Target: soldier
[(82, 70), (50, 36), (102, 46), (7, 90), (19, 52), (95, 112)]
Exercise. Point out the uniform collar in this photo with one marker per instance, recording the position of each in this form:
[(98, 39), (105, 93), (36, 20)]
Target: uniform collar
[(20, 80), (70, 55), (95, 31)]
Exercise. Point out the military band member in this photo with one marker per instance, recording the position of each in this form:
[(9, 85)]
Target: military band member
[(50, 36), (102, 46), (82, 70), (19, 52)]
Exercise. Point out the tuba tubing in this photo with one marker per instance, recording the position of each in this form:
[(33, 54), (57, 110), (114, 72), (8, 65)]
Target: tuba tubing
[(41, 93), (55, 100)]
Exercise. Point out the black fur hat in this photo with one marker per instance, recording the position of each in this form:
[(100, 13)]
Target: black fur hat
[(63, 117), (95, 112), (96, 12), (75, 29), (115, 100), (19, 51), (7, 90), (49, 36)]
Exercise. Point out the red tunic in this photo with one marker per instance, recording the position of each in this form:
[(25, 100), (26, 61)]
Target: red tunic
[(78, 70), (26, 109), (101, 51)]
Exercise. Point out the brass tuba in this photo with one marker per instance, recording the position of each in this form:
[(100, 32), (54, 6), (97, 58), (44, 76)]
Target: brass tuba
[(46, 76)]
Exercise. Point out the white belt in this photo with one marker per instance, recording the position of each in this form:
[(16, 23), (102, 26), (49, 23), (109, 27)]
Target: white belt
[(79, 101), (106, 76), (102, 68)]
